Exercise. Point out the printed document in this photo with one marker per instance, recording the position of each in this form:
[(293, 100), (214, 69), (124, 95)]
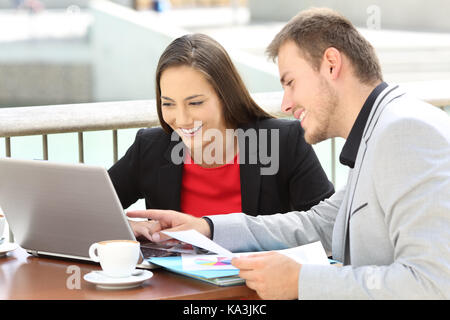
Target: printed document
[(312, 253)]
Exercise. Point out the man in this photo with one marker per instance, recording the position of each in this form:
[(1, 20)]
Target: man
[(390, 225)]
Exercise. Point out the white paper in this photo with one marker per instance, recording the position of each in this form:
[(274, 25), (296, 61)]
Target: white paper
[(199, 240), (312, 253)]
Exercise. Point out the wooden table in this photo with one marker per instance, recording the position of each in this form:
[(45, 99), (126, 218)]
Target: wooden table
[(25, 277)]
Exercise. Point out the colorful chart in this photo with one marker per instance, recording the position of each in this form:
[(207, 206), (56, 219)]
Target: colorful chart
[(213, 261)]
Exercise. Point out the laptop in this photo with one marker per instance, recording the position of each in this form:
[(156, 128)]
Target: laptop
[(59, 210)]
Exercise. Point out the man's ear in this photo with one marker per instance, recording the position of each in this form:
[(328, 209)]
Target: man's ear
[(332, 63)]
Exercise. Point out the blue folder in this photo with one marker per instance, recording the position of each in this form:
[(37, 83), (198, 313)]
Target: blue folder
[(217, 277)]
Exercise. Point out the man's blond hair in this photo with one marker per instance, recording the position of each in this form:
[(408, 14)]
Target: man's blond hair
[(314, 30)]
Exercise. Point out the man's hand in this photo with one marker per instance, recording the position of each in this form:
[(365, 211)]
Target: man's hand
[(272, 275), (143, 228), (169, 220)]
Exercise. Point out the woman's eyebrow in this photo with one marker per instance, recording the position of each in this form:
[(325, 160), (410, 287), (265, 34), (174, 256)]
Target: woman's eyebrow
[(188, 98), (193, 96)]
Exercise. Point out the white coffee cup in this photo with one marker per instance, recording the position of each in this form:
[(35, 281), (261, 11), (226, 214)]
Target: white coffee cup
[(118, 258), (2, 225)]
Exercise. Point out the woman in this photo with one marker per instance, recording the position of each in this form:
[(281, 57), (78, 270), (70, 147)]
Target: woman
[(222, 164)]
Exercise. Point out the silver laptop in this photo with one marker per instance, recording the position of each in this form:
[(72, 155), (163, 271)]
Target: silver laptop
[(59, 210)]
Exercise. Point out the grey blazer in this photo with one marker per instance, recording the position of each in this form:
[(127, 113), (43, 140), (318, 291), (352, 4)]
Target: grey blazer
[(390, 225)]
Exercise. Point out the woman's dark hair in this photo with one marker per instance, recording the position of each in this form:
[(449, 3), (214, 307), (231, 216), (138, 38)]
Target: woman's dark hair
[(206, 55)]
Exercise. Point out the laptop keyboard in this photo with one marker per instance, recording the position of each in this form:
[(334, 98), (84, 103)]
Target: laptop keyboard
[(151, 252), (167, 249)]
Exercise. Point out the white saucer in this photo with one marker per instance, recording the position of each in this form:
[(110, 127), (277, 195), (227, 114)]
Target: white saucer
[(105, 282), (7, 247)]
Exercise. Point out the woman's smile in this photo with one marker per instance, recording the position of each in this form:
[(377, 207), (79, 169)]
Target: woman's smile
[(191, 132)]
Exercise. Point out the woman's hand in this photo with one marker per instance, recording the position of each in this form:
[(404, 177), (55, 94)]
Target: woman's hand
[(168, 220)]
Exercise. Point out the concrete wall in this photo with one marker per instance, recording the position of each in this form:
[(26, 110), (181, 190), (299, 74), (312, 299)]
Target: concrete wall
[(126, 47), (431, 15), (49, 4), (125, 50), (127, 3), (45, 72), (31, 84), (258, 74)]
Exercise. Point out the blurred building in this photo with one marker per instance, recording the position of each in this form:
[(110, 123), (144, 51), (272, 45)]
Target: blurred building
[(75, 51), (417, 15)]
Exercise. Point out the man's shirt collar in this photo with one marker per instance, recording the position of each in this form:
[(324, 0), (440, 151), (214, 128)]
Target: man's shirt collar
[(351, 146)]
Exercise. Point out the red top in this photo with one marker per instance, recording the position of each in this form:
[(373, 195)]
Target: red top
[(209, 191)]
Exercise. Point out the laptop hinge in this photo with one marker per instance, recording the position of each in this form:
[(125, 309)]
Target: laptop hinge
[(34, 253)]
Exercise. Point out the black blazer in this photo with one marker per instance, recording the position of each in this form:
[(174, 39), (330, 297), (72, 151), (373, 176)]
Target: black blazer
[(146, 171)]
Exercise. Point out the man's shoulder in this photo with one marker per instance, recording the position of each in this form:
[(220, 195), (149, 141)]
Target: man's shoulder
[(410, 113), (410, 127)]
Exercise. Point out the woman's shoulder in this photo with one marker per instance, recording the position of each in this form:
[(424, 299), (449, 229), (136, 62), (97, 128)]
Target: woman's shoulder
[(153, 133), (276, 123), (286, 127), (153, 138)]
